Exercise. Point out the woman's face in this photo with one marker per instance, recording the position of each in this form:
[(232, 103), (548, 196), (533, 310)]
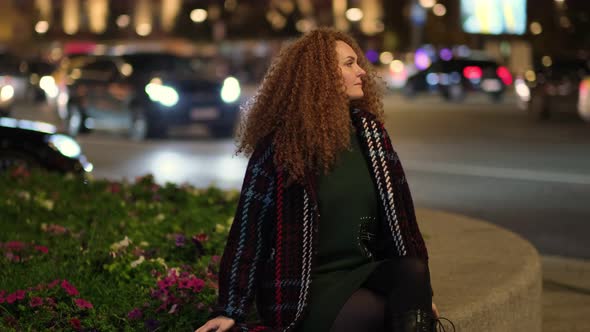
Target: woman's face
[(351, 71)]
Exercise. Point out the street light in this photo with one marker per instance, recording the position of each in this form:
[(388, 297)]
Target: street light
[(123, 21), (536, 28), (439, 9), (427, 3), (354, 14), (41, 27), (198, 15)]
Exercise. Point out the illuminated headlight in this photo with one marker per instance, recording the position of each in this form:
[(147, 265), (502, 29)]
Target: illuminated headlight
[(163, 94), (65, 145), (47, 83), (6, 92), (522, 90), (230, 92)]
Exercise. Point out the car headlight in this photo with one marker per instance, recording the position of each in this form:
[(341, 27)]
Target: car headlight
[(47, 84), (165, 95), (65, 145), (6, 92), (230, 91)]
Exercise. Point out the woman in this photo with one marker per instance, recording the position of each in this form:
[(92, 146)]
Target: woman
[(325, 236)]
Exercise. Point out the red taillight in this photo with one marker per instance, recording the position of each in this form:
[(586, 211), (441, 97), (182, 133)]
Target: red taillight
[(472, 72), (504, 75)]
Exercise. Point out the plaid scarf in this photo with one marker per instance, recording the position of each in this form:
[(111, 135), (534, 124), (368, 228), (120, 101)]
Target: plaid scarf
[(270, 249)]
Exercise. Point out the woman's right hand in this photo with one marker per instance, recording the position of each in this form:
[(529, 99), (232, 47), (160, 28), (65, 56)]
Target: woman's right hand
[(217, 324)]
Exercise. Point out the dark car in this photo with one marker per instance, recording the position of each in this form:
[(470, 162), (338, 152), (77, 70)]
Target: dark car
[(37, 145), (454, 78), (41, 82), (556, 88), (144, 94)]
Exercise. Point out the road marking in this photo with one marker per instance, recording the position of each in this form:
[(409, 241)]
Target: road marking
[(497, 172)]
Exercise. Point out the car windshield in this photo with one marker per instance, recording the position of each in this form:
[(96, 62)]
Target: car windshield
[(168, 64)]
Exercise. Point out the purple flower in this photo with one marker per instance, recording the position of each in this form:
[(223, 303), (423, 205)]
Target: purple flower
[(151, 324), (134, 314), (180, 240)]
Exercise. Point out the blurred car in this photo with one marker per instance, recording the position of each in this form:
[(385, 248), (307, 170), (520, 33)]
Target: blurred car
[(42, 85), (584, 99), (13, 81), (37, 145), (454, 78), (143, 94), (555, 88)]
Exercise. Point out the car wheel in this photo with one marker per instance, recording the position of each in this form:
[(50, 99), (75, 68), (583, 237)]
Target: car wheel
[(138, 130), (456, 92), (538, 108), (409, 90), (10, 159), (224, 131), (75, 120), (497, 97)]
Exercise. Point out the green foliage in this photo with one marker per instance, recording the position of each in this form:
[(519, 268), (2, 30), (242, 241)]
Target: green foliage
[(143, 256)]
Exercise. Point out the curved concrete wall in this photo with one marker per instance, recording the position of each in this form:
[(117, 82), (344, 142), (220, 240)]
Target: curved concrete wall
[(485, 278)]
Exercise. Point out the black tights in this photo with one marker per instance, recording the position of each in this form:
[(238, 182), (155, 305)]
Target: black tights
[(396, 286)]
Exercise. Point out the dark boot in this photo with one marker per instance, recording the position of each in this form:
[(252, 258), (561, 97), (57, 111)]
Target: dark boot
[(419, 321), (413, 321)]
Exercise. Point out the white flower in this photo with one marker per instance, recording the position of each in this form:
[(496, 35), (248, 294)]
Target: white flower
[(138, 261), (121, 244)]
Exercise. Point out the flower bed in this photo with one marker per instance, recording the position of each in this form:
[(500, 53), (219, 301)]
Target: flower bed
[(79, 254)]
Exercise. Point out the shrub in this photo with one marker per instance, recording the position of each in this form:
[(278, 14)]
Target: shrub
[(83, 254)]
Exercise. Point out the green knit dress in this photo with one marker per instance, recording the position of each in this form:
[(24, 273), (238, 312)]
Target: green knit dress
[(348, 217)]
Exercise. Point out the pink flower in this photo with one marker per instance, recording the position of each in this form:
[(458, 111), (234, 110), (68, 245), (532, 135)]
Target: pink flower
[(114, 187), (54, 229), (134, 314), (53, 283), (11, 298), (42, 249), (20, 294), (197, 284), (83, 304), (20, 172), (35, 302), (75, 322), (167, 282), (215, 259), (14, 245), (50, 301), (201, 237), (69, 288)]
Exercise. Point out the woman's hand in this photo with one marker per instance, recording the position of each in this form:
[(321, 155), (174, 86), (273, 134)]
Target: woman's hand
[(217, 324), (435, 311)]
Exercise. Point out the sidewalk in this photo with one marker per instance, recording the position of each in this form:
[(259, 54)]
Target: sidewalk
[(566, 294)]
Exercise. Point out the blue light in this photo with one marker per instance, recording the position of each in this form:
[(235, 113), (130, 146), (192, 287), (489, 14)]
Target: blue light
[(372, 56)]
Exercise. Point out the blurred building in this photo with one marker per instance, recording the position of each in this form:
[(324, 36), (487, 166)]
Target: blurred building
[(28, 26)]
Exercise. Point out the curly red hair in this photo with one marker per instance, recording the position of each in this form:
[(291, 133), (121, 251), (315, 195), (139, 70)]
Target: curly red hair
[(303, 106)]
